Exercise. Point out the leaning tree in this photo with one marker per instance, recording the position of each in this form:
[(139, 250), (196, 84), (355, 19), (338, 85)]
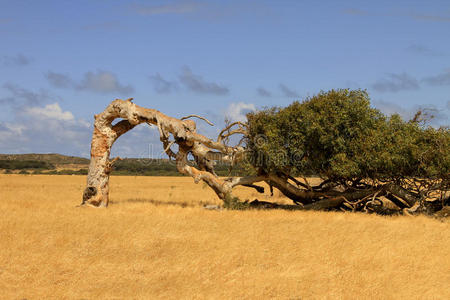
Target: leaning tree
[(364, 158)]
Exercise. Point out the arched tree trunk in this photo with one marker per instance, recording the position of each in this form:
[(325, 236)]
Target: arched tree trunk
[(184, 134)]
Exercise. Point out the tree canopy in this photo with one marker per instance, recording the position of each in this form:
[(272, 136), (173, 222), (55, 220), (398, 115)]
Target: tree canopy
[(338, 135)]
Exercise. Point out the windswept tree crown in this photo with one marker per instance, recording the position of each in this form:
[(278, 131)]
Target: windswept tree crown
[(338, 135)]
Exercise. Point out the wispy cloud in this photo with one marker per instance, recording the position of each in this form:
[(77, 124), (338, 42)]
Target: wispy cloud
[(433, 18), (420, 16), (19, 96), (98, 82), (212, 11), (108, 25), (395, 83), (263, 92), (188, 81), (423, 50), (441, 79), (15, 60), (287, 92), (162, 85), (390, 108), (404, 82), (355, 12), (59, 80), (437, 116), (103, 82), (179, 7), (197, 84)]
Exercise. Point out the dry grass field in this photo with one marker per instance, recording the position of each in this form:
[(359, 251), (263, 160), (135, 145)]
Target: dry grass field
[(156, 241)]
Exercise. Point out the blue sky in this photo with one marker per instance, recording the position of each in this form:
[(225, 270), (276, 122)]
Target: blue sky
[(63, 61)]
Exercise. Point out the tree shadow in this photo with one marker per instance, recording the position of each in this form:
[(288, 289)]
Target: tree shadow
[(182, 204)]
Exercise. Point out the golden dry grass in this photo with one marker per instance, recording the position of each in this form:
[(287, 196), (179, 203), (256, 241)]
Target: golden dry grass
[(156, 241)]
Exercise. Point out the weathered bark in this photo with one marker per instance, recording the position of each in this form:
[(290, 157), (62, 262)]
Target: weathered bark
[(397, 201), (402, 193), (310, 196), (97, 190)]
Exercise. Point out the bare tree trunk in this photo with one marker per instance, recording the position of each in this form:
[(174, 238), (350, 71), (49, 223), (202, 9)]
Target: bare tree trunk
[(184, 134)]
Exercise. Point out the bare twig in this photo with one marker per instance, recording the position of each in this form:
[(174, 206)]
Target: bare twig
[(197, 116)]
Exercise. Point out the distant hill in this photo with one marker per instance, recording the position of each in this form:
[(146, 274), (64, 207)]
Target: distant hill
[(52, 158), (59, 164)]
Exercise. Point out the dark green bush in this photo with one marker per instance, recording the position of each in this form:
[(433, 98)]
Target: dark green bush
[(159, 167), (338, 135), (25, 164)]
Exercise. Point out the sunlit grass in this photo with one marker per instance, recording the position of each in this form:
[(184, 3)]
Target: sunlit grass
[(156, 241)]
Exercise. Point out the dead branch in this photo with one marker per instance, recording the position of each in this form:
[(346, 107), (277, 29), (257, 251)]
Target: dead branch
[(197, 116), (227, 132)]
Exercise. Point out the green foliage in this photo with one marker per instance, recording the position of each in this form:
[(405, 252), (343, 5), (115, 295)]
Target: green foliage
[(25, 164), (337, 135), (231, 202), (147, 167), (54, 159), (159, 167)]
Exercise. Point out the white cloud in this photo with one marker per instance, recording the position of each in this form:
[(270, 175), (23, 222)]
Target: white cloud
[(45, 129), (10, 131), (15, 128), (50, 111), (237, 111), (51, 129)]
